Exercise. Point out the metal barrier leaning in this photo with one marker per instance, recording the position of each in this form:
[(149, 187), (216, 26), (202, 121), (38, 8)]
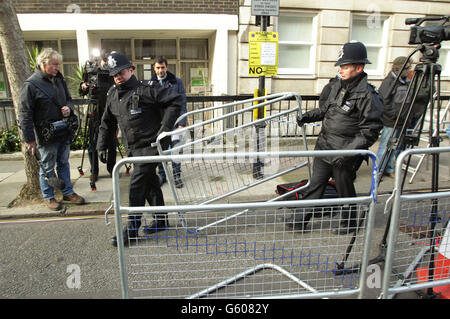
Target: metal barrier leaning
[(417, 224), (254, 255), (217, 180)]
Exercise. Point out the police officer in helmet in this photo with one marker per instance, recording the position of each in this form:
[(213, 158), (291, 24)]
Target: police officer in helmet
[(350, 111), (142, 110)]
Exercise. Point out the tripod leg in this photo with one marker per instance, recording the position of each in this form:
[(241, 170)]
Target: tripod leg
[(80, 168), (340, 268)]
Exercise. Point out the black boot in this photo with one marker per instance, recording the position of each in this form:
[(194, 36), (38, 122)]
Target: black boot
[(160, 223), (130, 232), (178, 181)]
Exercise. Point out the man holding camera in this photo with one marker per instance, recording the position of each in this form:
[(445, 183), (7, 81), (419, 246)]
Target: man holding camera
[(142, 110), (350, 111), (97, 82), (45, 114)]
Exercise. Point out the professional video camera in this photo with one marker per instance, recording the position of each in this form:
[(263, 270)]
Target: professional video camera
[(96, 75), (429, 37), (429, 34)]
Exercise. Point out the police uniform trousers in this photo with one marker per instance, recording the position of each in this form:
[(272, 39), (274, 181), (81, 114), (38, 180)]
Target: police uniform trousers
[(343, 177), (144, 184)]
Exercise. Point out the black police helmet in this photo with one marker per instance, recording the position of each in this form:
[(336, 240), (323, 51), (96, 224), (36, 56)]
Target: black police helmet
[(352, 53), (117, 62)]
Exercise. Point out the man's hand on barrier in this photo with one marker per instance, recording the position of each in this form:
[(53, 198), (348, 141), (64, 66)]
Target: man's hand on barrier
[(102, 156), (301, 120), (165, 143)]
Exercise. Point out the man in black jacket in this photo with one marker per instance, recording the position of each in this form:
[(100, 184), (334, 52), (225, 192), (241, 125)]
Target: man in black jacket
[(45, 101), (351, 119), (142, 110), (391, 112), (168, 79)]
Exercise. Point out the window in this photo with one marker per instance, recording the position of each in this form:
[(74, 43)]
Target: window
[(185, 56), (297, 43), (121, 45), (194, 65), (145, 49), (373, 32)]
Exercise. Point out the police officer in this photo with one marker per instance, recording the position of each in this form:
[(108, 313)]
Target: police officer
[(142, 110), (351, 114)]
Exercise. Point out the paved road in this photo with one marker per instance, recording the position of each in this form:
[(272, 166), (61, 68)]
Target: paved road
[(38, 257), (41, 258)]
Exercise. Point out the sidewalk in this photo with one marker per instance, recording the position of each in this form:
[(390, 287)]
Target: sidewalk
[(12, 177)]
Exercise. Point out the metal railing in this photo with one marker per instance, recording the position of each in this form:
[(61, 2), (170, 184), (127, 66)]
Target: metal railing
[(8, 116), (251, 256), (219, 180), (417, 223)]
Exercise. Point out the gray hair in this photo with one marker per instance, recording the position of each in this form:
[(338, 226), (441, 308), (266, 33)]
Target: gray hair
[(46, 55)]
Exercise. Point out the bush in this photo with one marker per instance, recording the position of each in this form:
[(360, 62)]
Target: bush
[(77, 143), (9, 140)]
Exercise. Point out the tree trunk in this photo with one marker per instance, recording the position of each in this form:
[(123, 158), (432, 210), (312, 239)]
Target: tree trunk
[(18, 70)]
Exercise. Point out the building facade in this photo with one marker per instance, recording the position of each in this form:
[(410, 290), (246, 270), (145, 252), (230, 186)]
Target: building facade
[(206, 41)]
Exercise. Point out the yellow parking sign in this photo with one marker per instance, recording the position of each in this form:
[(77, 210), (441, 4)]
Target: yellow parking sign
[(263, 53)]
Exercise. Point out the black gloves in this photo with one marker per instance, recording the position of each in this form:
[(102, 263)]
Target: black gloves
[(301, 120), (165, 142), (102, 156)]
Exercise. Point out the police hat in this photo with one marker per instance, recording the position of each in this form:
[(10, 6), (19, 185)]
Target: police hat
[(352, 53), (117, 62)]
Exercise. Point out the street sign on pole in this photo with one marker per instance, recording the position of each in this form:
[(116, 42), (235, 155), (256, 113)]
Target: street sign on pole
[(265, 7), (263, 53)]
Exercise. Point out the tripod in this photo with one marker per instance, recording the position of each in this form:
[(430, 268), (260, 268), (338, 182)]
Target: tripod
[(90, 136), (425, 74)]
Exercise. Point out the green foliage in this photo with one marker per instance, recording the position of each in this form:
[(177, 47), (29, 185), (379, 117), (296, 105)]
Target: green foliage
[(77, 143), (32, 56), (74, 80), (9, 140)]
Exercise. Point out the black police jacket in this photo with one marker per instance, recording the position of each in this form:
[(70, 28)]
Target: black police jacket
[(40, 104), (349, 121), (142, 110)]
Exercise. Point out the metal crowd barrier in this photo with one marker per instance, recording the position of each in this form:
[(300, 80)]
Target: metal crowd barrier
[(254, 255), (414, 258), (205, 183)]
